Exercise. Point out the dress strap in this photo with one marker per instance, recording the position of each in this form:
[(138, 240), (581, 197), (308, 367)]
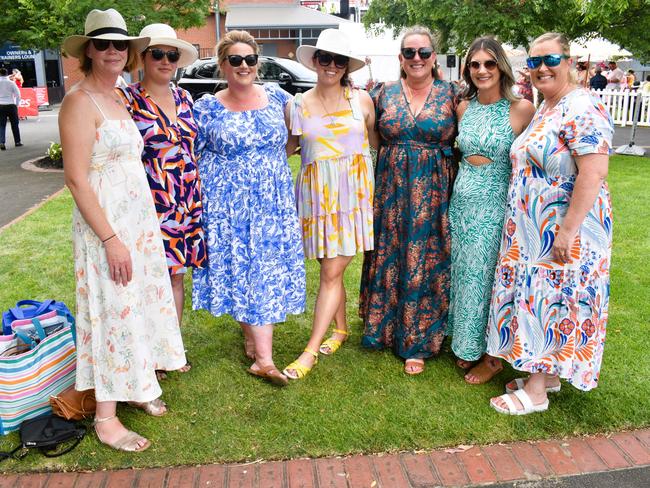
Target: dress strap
[(95, 102)]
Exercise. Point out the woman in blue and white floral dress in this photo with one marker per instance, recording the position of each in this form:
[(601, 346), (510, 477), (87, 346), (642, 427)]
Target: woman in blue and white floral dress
[(255, 270)]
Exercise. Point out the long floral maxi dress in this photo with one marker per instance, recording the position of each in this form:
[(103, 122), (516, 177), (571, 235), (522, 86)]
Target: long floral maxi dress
[(173, 177), (335, 186), (546, 316), (405, 281), (476, 210), (255, 268), (124, 333)]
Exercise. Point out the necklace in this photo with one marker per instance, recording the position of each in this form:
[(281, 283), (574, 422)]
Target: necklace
[(410, 99), (325, 113)]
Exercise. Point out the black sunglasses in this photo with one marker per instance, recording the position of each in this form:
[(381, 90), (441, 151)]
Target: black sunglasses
[(157, 54), (490, 64), (550, 60), (424, 52), (324, 59), (102, 44), (235, 60)]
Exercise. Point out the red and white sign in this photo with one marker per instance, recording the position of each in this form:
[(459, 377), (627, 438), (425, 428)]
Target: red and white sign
[(41, 95), (28, 106)]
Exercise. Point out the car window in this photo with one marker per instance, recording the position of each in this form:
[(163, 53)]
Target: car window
[(270, 71), (208, 70)]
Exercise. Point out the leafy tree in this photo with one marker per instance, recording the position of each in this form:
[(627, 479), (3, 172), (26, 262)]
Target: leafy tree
[(40, 24), (458, 22)]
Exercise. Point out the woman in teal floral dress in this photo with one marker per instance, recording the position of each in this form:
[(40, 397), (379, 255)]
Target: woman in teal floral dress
[(405, 282), (490, 119)]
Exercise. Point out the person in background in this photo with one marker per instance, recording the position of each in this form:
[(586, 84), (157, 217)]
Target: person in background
[(645, 89), (405, 280), (163, 115), (335, 124), (598, 81), (582, 74), (616, 79), (524, 87), (17, 77), (9, 101), (630, 78), (255, 269), (490, 117), (126, 324), (549, 309)]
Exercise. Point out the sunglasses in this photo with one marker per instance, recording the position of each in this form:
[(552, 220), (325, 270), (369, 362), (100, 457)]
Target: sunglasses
[(157, 54), (324, 59), (424, 52), (490, 64), (550, 60), (235, 60), (102, 44)]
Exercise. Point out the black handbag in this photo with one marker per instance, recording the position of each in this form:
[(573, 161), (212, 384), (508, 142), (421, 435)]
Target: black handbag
[(52, 435)]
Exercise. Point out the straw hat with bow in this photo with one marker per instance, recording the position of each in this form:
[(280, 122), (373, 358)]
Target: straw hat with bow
[(103, 24)]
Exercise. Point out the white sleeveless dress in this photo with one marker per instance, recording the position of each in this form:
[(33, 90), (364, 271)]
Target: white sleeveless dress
[(124, 333)]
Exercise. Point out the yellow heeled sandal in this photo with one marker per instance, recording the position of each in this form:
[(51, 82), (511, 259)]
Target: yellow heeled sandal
[(331, 345), (300, 369)]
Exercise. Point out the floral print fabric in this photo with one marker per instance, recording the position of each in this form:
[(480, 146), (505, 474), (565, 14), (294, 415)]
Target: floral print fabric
[(124, 333), (335, 187), (476, 211), (168, 158), (546, 316), (255, 268), (405, 281)]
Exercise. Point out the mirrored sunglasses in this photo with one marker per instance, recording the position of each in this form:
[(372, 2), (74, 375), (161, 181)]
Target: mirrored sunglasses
[(235, 60), (490, 64), (423, 52), (157, 54), (102, 44), (550, 60), (324, 59)]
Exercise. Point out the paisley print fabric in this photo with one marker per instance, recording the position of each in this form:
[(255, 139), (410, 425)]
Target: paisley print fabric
[(255, 268), (405, 281), (124, 333), (476, 211), (335, 186), (168, 158), (546, 316)]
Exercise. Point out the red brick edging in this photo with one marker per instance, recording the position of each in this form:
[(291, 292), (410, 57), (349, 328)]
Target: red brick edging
[(445, 467)]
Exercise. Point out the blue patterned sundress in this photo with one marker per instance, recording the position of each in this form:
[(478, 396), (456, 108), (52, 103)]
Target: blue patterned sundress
[(255, 266)]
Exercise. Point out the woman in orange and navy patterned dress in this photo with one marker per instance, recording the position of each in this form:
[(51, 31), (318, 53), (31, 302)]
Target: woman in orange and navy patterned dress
[(163, 115)]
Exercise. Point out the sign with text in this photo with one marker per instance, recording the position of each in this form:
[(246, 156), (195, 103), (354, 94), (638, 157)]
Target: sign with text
[(28, 106), (41, 95)]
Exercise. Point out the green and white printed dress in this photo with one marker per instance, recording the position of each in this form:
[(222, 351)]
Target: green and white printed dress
[(476, 214)]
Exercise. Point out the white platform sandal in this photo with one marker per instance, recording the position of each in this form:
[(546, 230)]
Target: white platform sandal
[(525, 400)]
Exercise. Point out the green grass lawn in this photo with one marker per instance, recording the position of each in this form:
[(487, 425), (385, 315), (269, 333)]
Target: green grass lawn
[(356, 401)]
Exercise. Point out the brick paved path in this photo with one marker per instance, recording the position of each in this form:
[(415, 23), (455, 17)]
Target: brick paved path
[(475, 466)]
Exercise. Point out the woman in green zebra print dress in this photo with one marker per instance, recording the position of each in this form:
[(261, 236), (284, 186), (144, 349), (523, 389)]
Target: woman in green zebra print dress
[(490, 117)]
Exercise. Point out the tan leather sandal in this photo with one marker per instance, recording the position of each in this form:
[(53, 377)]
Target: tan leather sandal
[(129, 442)]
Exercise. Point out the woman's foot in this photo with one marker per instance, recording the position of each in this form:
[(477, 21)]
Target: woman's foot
[(331, 345), (249, 349), (462, 364), (155, 408), (413, 366), (552, 383), (112, 433), (521, 402), (301, 366), (484, 371)]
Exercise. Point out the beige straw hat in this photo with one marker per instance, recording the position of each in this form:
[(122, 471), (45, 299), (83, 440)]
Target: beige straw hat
[(332, 41), (164, 35)]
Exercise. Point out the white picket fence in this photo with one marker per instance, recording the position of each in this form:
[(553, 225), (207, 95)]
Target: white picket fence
[(620, 104)]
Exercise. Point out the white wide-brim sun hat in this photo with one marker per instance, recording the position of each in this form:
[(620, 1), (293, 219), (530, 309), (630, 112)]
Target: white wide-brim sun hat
[(164, 35), (103, 24), (332, 41)]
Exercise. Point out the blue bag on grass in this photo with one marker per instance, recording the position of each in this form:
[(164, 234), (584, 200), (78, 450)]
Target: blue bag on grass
[(29, 309)]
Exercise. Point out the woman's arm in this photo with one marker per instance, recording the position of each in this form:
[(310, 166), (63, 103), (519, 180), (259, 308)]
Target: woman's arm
[(521, 113), (77, 140), (368, 108), (292, 141), (460, 109), (592, 171)]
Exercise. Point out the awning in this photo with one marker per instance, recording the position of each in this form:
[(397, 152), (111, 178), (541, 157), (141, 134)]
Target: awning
[(289, 16)]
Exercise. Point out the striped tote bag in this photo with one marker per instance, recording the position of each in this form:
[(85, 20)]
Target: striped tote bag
[(45, 368)]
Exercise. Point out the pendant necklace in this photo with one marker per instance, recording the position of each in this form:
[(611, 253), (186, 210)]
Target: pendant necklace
[(325, 113)]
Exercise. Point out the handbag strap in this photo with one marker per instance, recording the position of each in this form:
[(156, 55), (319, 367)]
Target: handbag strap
[(46, 450), (12, 454), (33, 308)]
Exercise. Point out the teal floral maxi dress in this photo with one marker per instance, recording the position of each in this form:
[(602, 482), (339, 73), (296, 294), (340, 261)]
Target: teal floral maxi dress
[(476, 210), (405, 282)]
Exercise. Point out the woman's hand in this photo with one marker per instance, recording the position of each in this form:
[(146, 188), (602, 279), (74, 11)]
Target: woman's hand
[(561, 250), (119, 261)]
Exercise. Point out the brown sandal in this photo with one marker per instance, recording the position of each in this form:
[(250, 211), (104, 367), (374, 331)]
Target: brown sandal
[(483, 372), (463, 364), (414, 366), (270, 373)]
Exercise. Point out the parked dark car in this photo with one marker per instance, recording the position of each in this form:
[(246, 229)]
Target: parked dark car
[(202, 76)]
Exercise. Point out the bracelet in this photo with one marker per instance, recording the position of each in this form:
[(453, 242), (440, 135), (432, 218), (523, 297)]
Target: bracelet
[(108, 238)]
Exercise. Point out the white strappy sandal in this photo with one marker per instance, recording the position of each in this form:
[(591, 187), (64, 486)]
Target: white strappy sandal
[(525, 400)]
